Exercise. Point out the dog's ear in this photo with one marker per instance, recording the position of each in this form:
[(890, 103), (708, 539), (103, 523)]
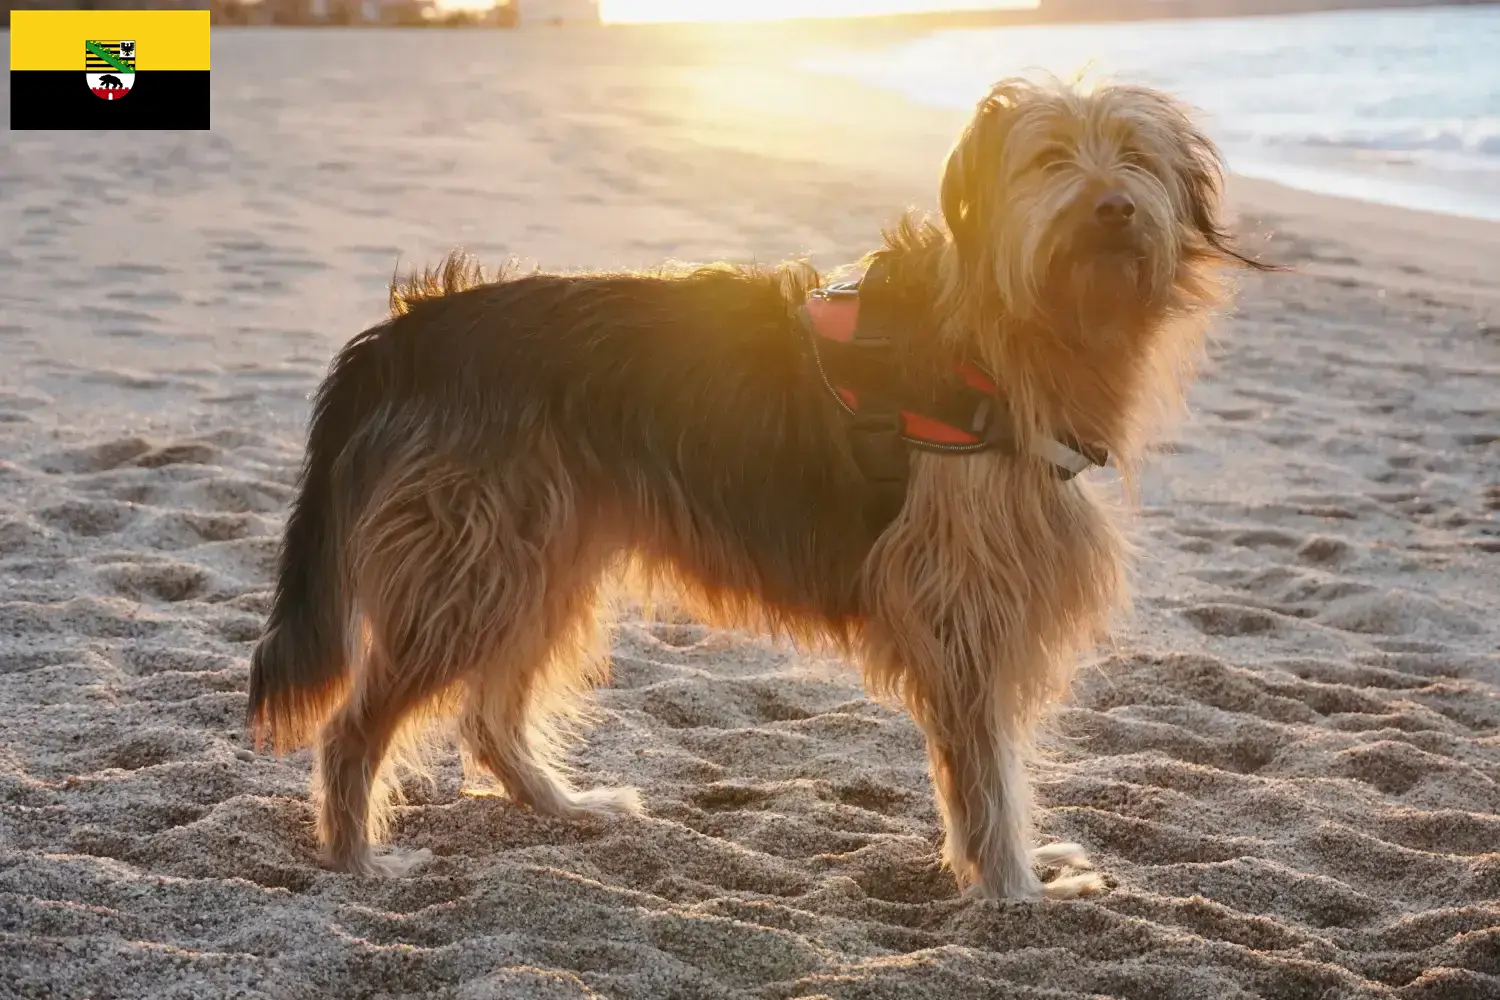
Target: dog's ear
[(1204, 184), (973, 165)]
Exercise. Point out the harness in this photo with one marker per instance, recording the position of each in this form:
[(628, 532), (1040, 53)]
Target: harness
[(958, 411)]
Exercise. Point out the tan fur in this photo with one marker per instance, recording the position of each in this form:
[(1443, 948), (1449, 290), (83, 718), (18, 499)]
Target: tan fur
[(993, 579), (477, 587)]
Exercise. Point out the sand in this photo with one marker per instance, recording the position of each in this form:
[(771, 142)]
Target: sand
[(1287, 764)]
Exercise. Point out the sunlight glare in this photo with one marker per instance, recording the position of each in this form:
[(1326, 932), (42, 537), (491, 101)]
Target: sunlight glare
[(618, 11)]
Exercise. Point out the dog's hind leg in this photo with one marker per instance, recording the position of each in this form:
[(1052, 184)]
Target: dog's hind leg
[(351, 772), (529, 683), (420, 579), (445, 568)]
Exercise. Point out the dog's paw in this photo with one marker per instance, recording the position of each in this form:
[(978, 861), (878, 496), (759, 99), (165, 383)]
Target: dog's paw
[(1064, 854), (391, 862), (1073, 886), (607, 802)]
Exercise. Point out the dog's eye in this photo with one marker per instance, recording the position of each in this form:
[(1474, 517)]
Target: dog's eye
[(1049, 157)]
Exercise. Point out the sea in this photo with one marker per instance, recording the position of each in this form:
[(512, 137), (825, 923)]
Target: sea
[(1396, 107)]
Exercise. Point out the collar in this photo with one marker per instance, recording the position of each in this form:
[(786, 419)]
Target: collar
[(962, 412)]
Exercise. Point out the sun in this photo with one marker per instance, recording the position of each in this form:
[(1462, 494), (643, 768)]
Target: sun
[(771, 10)]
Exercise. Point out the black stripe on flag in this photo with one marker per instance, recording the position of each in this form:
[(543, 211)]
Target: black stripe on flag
[(61, 99)]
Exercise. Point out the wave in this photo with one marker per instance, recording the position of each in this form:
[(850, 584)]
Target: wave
[(1422, 85), (1463, 141)]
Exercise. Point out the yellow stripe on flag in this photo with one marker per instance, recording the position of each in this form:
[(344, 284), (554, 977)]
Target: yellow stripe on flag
[(164, 39)]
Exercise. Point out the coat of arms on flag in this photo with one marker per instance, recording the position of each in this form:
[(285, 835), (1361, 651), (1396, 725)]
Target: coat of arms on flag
[(109, 67)]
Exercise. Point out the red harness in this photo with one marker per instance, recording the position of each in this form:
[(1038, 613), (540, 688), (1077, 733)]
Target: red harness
[(832, 314), (891, 412)]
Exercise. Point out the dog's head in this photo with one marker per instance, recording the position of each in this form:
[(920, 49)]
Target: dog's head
[(1083, 201)]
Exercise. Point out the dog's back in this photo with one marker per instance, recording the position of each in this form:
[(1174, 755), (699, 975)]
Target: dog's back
[(676, 414)]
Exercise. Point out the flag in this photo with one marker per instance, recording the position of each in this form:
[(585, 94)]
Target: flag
[(109, 69)]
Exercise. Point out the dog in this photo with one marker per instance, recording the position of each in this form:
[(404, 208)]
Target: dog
[(482, 465)]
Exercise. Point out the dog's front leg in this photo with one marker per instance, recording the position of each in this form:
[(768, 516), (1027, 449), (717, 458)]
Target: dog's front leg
[(979, 775)]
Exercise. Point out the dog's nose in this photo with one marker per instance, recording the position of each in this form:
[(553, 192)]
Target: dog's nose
[(1114, 210)]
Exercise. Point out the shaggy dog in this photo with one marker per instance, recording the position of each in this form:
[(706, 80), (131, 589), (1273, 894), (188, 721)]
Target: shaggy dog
[(483, 462)]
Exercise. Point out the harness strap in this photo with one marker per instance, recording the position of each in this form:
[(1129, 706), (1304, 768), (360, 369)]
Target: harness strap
[(955, 412), (875, 429)]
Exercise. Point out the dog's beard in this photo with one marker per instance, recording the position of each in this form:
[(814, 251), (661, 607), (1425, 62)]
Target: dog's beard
[(1057, 266)]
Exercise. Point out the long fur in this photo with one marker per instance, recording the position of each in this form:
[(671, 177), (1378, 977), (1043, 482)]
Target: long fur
[(481, 464)]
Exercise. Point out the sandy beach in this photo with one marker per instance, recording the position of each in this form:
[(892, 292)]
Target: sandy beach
[(1287, 764)]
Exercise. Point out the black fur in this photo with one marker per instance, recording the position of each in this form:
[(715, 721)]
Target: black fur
[(695, 395)]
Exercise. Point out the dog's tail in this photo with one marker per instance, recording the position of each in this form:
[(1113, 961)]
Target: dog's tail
[(301, 666)]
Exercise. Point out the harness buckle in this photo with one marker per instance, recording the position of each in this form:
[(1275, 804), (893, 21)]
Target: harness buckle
[(1070, 457), (1099, 456), (992, 425)]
